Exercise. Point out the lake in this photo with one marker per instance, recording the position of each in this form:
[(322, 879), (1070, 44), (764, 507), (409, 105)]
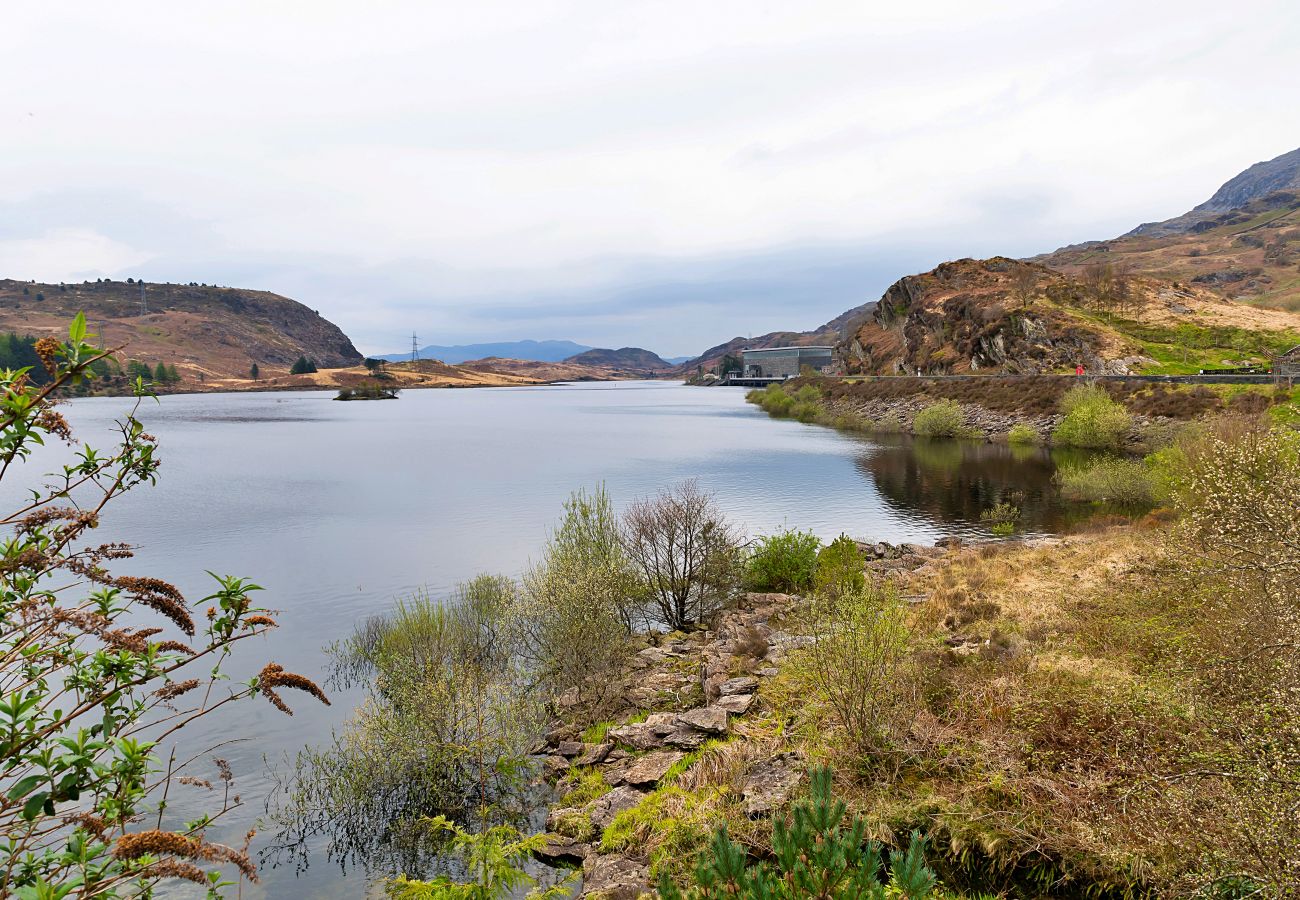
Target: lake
[(337, 509)]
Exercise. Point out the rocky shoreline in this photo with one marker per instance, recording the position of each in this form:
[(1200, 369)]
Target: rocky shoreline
[(683, 693)]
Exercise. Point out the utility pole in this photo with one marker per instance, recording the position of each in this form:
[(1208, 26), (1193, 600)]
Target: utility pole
[(415, 347), (144, 304)]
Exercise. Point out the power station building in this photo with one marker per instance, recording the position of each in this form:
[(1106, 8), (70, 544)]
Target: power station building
[(786, 362)]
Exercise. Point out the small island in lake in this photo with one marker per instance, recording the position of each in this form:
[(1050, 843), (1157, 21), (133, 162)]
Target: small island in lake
[(368, 392)]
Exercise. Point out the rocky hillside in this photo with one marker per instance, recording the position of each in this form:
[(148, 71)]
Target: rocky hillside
[(632, 360), (1243, 243), (208, 333), (1006, 316)]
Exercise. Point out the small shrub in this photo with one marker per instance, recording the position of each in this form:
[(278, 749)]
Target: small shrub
[(1022, 434), (841, 568), (805, 412), (783, 562), (494, 861), (859, 662), (821, 852), (1110, 479), (1001, 518), (1092, 419), (941, 419)]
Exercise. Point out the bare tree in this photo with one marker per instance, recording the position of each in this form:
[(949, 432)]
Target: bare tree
[(685, 551), (1024, 284)]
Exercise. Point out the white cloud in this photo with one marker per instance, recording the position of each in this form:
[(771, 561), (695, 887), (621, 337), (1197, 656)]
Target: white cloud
[(66, 254), (450, 155)]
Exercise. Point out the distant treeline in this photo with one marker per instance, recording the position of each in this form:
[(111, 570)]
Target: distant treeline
[(19, 352)]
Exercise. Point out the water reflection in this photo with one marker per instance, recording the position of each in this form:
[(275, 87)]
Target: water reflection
[(955, 481)]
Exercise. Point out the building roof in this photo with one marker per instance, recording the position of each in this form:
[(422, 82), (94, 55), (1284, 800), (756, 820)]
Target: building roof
[(769, 349), (1294, 351)]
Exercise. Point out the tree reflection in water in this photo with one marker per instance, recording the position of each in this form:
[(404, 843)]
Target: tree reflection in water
[(953, 481)]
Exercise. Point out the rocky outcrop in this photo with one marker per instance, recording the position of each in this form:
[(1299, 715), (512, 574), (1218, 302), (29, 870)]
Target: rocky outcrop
[(975, 316), (700, 683)]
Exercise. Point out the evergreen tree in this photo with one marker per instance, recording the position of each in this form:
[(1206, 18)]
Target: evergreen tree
[(160, 373), (303, 366), (253, 372), (172, 375), (136, 369)]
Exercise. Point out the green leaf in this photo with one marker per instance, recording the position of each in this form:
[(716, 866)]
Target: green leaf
[(25, 786), (34, 804), (77, 330)]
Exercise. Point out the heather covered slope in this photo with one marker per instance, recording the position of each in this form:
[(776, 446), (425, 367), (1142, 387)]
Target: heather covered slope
[(1004, 316), (1243, 243), (216, 333)]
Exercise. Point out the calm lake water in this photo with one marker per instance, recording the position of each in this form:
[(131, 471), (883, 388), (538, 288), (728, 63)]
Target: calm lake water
[(337, 509)]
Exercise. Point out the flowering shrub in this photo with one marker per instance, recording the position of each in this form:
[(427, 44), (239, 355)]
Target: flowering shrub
[(91, 694)]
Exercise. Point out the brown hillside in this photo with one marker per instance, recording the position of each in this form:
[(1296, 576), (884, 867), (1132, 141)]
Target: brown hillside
[(1004, 316), (210, 333), (1249, 254)]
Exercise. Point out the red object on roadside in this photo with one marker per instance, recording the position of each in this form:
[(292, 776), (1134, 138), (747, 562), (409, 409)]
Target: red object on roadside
[(1078, 370)]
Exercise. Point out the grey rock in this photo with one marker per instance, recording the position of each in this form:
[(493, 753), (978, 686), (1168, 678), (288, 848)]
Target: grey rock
[(745, 684), (592, 754), (570, 748), (560, 850), (736, 704), (650, 768), (602, 810), (555, 765), (686, 738), (614, 877), (711, 719), (768, 785)]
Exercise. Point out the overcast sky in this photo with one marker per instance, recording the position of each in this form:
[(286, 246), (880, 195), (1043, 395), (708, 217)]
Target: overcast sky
[(661, 174)]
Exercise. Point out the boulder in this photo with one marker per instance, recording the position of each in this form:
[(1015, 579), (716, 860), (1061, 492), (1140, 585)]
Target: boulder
[(570, 748), (710, 719), (592, 754), (686, 738), (769, 784), (602, 810), (555, 765), (614, 877), (650, 768)]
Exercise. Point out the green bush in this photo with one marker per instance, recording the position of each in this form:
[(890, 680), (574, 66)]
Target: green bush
[(1022, 434), (783, 562), (1108, 479), (773, 399), (1092, 419), (805, 412), (840, 568), (941, 419), (822, 852), (1001, 518)]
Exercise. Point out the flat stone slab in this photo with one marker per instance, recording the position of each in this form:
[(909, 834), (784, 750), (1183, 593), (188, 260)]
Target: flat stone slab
[(559, 850), (650, 768), (710, 719), (745, 684), (736, 704), (570, 748)]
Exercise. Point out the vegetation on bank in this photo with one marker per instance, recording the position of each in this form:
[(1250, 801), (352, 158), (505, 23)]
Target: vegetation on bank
[(99, 672), (1099, 415)]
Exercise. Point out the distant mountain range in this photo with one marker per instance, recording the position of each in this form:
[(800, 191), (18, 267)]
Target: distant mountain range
[(538, 351)]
